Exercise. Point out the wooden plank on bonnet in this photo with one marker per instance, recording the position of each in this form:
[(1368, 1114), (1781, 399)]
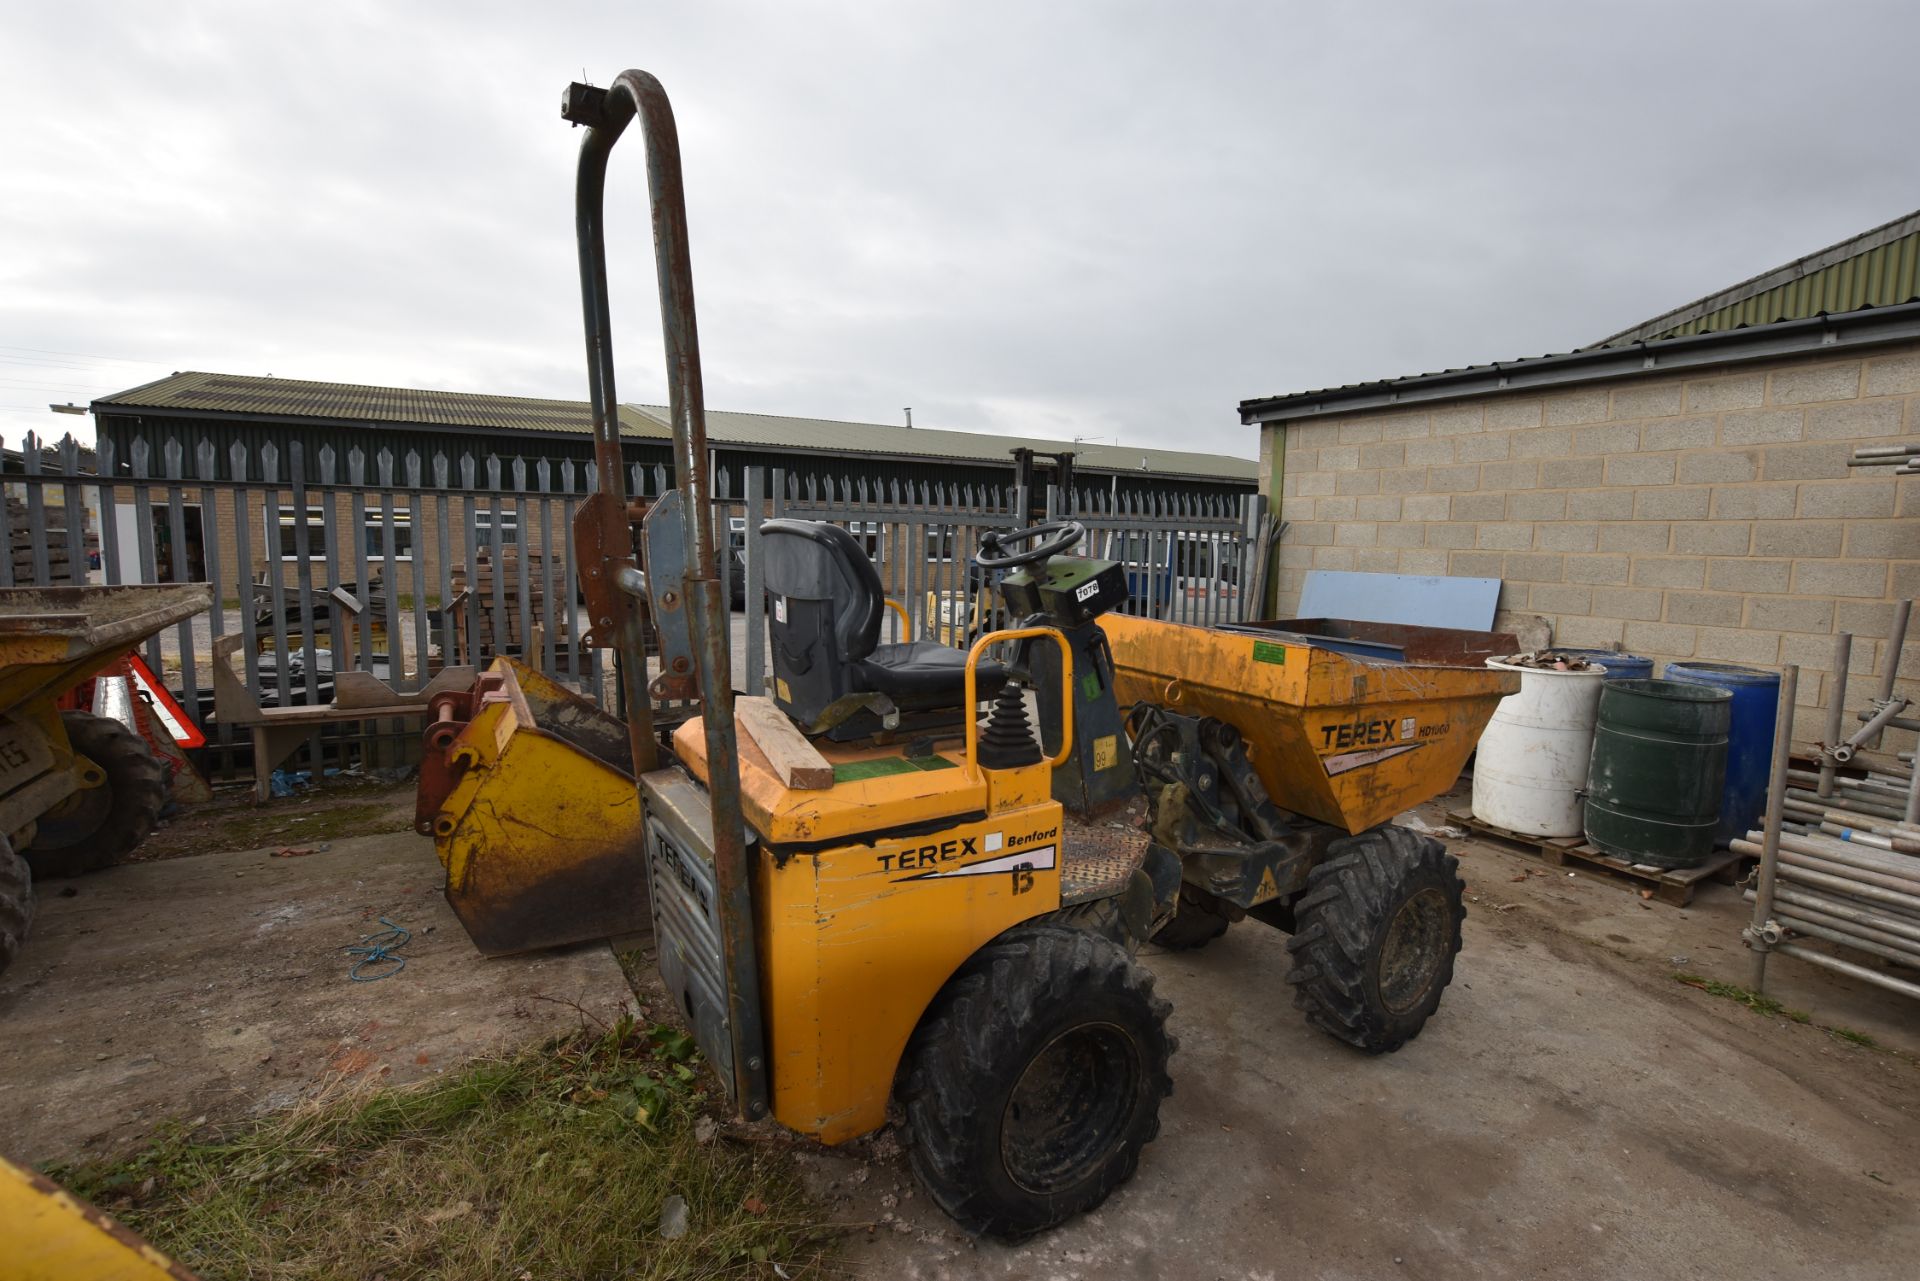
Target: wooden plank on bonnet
[(793, 758)]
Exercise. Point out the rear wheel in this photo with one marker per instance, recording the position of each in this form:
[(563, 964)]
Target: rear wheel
[(16, 902), (1379, 926), (1033, 1085), (1196, 923), (98, 826)]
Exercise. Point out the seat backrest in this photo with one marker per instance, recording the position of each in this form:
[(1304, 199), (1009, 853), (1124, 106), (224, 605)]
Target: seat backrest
[(813, 560), (827, 608)]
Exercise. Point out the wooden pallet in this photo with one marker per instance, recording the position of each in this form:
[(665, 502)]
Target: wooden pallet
[(1673, 885)]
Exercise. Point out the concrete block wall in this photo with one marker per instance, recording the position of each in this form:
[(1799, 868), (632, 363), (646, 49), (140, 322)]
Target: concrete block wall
[(1711, 516)]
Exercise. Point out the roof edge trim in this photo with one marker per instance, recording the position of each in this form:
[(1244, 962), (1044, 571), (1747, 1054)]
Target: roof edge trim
[(1846, 330)]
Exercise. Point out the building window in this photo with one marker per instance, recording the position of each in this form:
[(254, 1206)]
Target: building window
[(372, 535), (375, 533), (286, 537), (871, 537), (940, 542), (496, 528)]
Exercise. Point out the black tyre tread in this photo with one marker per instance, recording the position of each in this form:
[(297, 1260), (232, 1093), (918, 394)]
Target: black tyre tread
[(136, 792), (16, 903), (1194, 925), (962, 1054), (1349, 901), (1100, 916)]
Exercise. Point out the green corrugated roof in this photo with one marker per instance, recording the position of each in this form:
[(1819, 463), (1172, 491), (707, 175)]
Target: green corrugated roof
[(292, 398), (1877, 268)]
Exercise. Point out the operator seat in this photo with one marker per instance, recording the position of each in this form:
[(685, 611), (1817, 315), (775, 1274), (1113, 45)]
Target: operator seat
[(828, 604)]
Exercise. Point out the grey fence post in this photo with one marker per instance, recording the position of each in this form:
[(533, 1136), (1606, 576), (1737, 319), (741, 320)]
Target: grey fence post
[(143, 529), (76, 511), (172, 456), (417, 574), (450, 649), (756, 673), (36, 513), (108, 501)]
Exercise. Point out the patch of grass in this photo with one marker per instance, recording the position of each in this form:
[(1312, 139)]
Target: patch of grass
[(1773, 1009), (556, 1163), (1764, 1005)]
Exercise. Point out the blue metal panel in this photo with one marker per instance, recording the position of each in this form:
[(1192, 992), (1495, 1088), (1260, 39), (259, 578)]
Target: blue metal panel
[(1419, 600)]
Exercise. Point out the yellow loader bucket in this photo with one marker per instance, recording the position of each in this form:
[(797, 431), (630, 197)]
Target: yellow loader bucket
[(1345, 740), (527, 792)]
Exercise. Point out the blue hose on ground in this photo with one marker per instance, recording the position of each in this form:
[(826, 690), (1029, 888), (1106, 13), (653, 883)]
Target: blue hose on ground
[(378, 949)]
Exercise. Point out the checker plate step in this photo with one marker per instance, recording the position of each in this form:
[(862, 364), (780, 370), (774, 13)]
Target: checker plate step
[(1097, 861)]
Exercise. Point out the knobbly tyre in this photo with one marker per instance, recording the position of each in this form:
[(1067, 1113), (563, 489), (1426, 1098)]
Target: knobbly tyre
[(863, 893)]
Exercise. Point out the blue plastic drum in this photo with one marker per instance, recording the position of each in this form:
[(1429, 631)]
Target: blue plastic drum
[(1619, 667), (1756, 701)]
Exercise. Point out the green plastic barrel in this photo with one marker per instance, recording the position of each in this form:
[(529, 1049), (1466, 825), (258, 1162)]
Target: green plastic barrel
[(1659, 762)]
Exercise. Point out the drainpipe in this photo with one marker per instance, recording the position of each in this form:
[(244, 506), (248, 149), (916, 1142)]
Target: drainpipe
[(1276, 485)]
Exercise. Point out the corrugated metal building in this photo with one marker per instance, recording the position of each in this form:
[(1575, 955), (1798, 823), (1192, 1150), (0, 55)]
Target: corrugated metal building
[(225, 409)]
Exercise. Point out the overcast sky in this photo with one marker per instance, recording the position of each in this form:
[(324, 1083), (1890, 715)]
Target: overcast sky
[(1059, 219)]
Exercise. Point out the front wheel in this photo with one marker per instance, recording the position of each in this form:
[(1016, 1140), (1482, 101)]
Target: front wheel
[(1379, 926), (16, 902), (98, 826), (1036, 1080)]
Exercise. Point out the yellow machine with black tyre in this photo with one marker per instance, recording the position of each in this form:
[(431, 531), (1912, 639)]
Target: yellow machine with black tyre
[(866, 893), (892, 905), (78, 792)]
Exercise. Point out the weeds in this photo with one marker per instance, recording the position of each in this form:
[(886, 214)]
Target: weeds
[(1771, 1008), (554, 1163), (1762, 1005)]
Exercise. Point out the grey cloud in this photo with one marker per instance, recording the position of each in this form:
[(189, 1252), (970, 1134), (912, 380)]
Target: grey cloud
[(1113, 220)]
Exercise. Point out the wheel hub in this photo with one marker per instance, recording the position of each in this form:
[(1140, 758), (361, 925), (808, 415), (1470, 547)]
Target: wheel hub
[(1411, 955), (1070, 1108)]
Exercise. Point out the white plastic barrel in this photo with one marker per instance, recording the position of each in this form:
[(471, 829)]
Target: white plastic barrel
[(1532, 761)]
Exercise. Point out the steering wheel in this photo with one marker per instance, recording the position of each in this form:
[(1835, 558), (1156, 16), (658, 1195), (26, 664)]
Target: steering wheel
[(1064, 534)]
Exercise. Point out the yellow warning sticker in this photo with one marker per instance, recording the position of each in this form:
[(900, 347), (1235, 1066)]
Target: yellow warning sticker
[(1106, 750), (780, 688), (1268, 887)]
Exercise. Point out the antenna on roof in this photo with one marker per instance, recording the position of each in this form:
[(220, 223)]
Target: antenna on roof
[(909, 412)]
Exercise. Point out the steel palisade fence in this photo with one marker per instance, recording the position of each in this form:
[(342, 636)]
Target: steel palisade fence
[(426, 561)]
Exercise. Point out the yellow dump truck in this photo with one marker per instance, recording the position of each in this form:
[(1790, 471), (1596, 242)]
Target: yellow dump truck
[(865, 892)]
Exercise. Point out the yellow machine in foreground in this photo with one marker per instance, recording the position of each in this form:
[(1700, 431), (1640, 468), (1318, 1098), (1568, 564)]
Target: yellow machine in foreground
[(77, 791), (52, 1235), (864, 892)]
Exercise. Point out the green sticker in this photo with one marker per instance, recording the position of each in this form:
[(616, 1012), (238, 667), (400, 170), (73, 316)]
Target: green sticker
[(1090, 686), (1268, 652), (885, 766)]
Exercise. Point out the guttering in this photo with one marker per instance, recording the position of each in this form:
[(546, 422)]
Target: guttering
[(1816, 334)]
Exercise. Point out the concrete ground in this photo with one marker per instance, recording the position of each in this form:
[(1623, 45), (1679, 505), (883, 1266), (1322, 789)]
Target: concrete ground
[(1571, 1112), (216, 986)]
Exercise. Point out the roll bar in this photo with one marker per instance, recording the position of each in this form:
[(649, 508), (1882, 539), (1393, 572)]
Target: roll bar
[(604, 526)]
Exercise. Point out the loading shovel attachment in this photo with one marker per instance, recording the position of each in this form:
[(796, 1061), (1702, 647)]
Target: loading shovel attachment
[(726, 1015), (525, 790)]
